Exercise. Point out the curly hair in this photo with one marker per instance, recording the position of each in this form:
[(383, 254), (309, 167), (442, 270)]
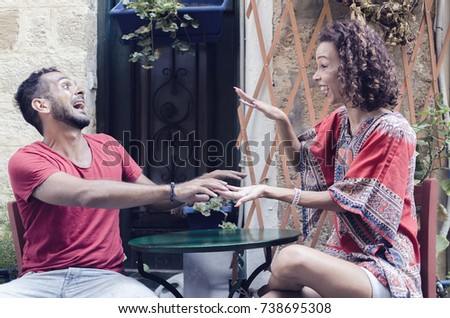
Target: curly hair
[(366, 70), (31, 88)]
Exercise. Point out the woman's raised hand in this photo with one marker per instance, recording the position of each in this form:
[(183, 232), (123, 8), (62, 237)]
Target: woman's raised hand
[(268, 110)]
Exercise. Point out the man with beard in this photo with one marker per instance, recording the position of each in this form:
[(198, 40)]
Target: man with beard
[(69, 188)]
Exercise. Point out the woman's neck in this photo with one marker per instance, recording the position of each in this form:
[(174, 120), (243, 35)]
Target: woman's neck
[(357, 116)]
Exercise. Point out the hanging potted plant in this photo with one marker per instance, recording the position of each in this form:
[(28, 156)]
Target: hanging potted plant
[(392, 17), (210, 214), (155, 23)]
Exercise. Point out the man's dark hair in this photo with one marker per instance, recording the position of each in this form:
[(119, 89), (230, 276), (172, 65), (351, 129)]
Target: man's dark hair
[(31, 88)]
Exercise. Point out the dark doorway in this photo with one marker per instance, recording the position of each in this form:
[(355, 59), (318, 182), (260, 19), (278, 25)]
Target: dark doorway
[(177, 120)]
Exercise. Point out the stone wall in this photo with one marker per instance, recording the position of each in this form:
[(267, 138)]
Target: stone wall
[(36, 34)]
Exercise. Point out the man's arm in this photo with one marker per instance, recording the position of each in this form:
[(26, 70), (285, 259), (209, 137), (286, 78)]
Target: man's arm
[(163, 204), (63, 189), (166, 205)]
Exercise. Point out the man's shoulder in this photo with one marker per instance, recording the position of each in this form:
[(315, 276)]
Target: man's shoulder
[(35, 147), (34, 154)]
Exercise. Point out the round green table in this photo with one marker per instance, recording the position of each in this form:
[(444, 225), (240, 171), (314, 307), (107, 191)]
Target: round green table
[(214, 240)]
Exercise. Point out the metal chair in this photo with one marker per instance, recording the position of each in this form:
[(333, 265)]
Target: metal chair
[(17, 232), (426, 200)]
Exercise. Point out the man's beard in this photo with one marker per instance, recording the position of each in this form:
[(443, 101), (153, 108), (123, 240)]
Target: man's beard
[(64, 115)]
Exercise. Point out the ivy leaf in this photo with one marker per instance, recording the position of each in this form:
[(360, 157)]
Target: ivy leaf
[(228, 225), (441, 244), (445, 185), (146, 268), (195, 24)]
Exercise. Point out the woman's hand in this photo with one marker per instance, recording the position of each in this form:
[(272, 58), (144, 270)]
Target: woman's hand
[(244, 194), (268, 110)]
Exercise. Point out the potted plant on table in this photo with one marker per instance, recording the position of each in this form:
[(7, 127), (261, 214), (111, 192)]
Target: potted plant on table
[(154, 23), (210, 214), (209, 272)]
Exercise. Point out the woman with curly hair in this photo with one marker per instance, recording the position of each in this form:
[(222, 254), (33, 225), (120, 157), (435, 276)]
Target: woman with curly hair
[(358, 163)]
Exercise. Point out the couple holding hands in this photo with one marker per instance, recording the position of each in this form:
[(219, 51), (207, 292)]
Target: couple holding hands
[(358, 162)]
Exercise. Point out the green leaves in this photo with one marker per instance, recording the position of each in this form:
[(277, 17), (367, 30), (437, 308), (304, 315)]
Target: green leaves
[(445, 185), (441, 244), (393, 17), (161, 15), (433, 137), (213, 204), (228, 225)]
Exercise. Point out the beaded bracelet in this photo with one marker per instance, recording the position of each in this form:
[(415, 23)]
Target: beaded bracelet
[(297, 196), (172, 193)]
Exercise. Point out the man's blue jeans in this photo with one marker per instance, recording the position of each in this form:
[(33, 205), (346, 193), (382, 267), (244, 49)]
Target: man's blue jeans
[(77, 283)]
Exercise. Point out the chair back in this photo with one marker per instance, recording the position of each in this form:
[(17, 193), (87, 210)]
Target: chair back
[(17, 232), (426, 197)]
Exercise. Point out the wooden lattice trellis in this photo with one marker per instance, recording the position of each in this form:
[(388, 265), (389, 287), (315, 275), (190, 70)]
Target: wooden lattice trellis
[(265, 78)]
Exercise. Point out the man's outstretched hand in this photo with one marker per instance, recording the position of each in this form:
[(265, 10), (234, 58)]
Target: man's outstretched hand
[(199, 189), (224, 174)]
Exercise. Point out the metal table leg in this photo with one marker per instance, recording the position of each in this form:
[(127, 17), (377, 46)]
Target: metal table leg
[(242, 286), (241, 271), (259, 269), (156, 278)]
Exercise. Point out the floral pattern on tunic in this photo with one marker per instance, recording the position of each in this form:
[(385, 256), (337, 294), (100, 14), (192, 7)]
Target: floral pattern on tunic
[(371, 176)]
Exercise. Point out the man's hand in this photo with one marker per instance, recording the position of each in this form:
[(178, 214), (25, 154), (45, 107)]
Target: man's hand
[(199, 189), (224, 174)]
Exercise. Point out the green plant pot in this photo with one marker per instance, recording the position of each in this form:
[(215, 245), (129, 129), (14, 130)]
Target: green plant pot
[(207, 12), (198, 221)]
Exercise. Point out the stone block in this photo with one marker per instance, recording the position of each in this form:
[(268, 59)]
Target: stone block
[(9, 68), (9, 29), (10, 3), (71, 34), (58, 3), (35, 30)]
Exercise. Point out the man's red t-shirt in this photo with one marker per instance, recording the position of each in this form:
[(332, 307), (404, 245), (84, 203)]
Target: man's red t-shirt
[(58, 237)]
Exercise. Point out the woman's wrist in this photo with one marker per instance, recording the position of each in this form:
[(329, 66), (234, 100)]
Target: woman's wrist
[(268, 192), (282, 118)]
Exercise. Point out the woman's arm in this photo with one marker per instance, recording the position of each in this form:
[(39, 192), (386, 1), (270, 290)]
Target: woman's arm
[(309, 199), (289, 144)]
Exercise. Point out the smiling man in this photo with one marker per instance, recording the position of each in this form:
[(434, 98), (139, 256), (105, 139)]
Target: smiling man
[(69, 195)]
